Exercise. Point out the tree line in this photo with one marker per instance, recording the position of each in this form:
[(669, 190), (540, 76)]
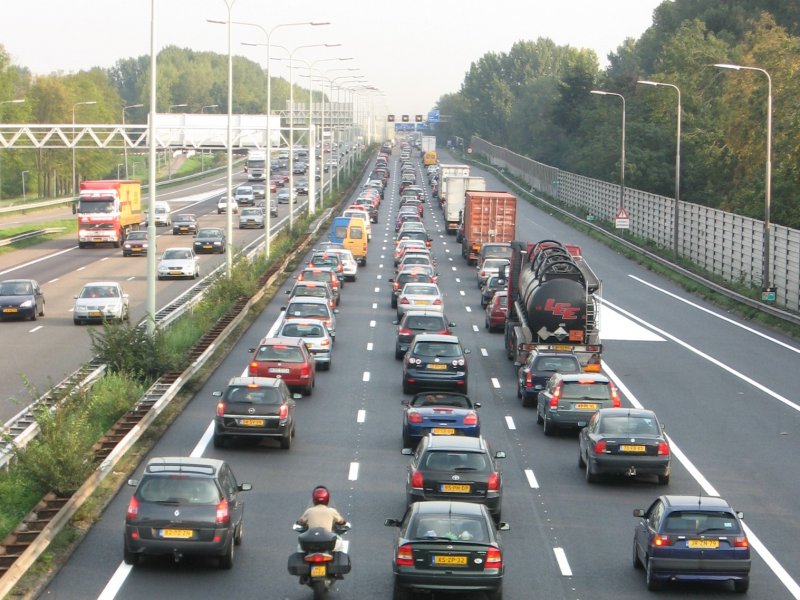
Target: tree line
[(535, 99)]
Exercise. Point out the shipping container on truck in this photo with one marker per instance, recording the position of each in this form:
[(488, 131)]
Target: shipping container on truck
[(553, 302), (448, 170), (488, 217), (428, 143), (455, 198), (107, 211)]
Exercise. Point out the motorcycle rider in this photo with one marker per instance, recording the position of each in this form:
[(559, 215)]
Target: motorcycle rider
[(321, 515)]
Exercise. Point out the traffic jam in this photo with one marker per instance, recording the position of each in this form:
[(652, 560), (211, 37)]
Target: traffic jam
[(540, 299)]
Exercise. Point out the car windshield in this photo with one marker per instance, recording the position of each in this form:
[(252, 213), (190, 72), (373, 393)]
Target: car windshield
[(178, 489), (305, 290), (137, 235), (184, 219), (15, 288), (307, 309), (424, 323), (585, 390), (556, 364), (253, 394), (436, 399), (279, 353), (450, 527), (177, 254), (449, 460), (701, 521), (628, 425), (247, 212), (209, 233), (100, 291), (302, 330), (438, 349)]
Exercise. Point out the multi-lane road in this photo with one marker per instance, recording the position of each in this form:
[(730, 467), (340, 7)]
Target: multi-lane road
[(724, 387)]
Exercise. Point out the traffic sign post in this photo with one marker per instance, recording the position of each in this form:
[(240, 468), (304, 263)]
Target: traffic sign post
[(622, 220)]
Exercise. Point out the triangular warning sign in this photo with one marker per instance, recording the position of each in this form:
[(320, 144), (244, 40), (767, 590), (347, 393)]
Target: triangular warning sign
[(622, 214)]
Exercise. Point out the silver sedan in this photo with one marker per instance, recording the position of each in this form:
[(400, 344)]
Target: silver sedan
[(420, 295)]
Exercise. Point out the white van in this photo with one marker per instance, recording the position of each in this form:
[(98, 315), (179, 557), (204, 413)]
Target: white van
[(163, 214)]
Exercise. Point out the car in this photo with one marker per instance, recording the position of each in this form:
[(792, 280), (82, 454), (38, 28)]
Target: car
[(419, 321), (495, 312), (417, 275), (184, 223), (135, 244), (299, 168), (251, 217), (448, 546), (162, 212), (691, 538), (322, 274), (415, 235), (401, 247), (492, 285), (624, 441), (255, 408), (332, 261), (570, 399), (435, 361), (245, 196), (448, 467), (275, 183), (210, 239), (539, 366), (361, 214), (21, 299), (260, 191), (283, 196), (489, 267), (185, 506), (222, 205), (307, 307), (405, 217), (315, 336), (495, 250), (287, 359), (419, 295), (372, 210), (349, 264), (317, 289), (301, 187), (412, 259), (439, 413), (100, 301), (178, 262)]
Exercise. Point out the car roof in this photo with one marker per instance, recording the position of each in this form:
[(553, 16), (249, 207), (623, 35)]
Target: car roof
[(455, 442), (274, 341), (308, 300), (97, 283), (423, 313), (625, 412), (439, 507), (598, 377), (183, 464), (678, 502), (436, 337), (266, 382)]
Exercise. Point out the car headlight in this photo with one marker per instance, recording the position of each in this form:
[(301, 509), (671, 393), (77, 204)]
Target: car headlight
[(26, 304)]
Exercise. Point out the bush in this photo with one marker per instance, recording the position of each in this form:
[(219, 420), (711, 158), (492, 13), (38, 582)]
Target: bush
[(126, 348)]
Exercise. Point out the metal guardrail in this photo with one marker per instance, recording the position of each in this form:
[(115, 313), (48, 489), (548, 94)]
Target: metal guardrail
[(30, 234)]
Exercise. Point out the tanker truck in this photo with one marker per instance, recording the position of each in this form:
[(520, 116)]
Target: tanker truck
[(553, 300)]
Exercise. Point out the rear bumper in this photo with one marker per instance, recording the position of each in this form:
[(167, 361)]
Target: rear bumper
[(160, 547), (478, 581), (706, 569), (643, 465)]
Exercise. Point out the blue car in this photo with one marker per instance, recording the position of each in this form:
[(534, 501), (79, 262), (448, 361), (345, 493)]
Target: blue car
[(439, 413), (691, 538)]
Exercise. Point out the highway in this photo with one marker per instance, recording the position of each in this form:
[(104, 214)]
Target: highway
[(723, 386)]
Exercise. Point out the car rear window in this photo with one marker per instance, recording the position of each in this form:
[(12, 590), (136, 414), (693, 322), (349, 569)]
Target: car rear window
[(302, 309), (437, 349), (556, 364), (452, 527), (697, 522), (420, 290), (434, 399), (625, 425), (317, 292), (178, 489), (593, 390), (306, 330), (340, 231), (253, 395), (424, 323), (279, 352), (447, 460)]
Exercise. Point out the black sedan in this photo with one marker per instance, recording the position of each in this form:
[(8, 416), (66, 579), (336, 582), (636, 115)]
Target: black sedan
[(624, 441), (21, 299), (210, 240), (255, 407), (455, 468), (435, 362), (447, 546), (135, 244), (419, 321), (539, 366), (184, 223)]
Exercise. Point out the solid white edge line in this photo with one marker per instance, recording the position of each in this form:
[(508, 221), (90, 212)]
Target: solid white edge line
[(510, 422), (563, 563), (361, 415), (114, 584), (352, 475), (783, 576), (203, 443), (531, 479)]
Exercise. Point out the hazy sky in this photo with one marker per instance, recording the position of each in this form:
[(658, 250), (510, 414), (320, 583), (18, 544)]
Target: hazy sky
[(413, 51)]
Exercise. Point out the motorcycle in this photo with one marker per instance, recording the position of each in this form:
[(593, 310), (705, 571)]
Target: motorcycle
[(318, 564)]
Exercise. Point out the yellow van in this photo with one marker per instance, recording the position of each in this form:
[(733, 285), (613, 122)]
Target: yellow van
[(356, 239)]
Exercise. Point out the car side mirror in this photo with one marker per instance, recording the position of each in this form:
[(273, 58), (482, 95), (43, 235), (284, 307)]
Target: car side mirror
[(740, 514), (297, 396), (75, 297), (245, 487), (503, 526), (390, 280), (283, 309), (451, 324), (476, 404), (638, 512), (251, 350), (217, 394), (392, 522), (406, 452), (336, 311), (499, 454), (288, 292), (467, 351), (404, 402), (133, 482)]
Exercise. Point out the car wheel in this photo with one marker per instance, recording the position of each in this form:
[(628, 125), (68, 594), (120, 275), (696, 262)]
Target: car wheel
[(76, 322), (650, 578), (239, 536), (539, 418), (637, 564), (663, 479), (41, 312), (406, 388), (741, 586), (226, 560), (129, 558), (486, 323), (286, 441), (581, 462), (400, 593), (547, 426), (34, 315), (407, 441), (495, 595), (397, 353), (197, 273), (591, 476)]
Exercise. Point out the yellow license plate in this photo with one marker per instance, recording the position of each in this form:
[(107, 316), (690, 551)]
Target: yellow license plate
[(184, 229), (702, 543), (443, 431), (585, 406), (423, 302), (95, 313), (177, 534), (176, 272), (207, 246), (562, 348), (252, 422), (437, 366), (628, 448), (449, 560), (456, 487), (136, 249), (9, 310), (319, 571)]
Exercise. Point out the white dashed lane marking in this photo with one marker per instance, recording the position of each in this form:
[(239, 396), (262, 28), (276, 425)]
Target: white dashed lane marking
[(510, 422), (365, 377), (361, 416), (353, 474), (369, 347), (563, 563), (531, 479), (484, 352)]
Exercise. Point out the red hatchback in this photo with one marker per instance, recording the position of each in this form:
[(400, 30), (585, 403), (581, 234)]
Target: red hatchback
[(287, 359), (496, 311)]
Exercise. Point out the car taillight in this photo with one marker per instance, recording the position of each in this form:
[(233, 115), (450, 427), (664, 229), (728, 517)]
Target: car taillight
[(133, 509), (318, 557), (404, 301), (661, 540), (556, 396), (482, 274), (405, 556), (395, 286), (221, 408), (615, 402), (427, 243), (283, 413), (305, 371), (528, 380), (417, 480), (494, 482), (414, 417), (741, 542), (328, 323), (404, 331), (494, 558), (471, 418), (663, 449), (600, 447), (253, 368), (222, 512), (325, 342), (437, 302)]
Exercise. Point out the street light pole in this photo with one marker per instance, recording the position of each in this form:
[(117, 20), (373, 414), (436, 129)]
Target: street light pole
[(125, 142), (24, 197), (766, 274), (74, 106), (676, 208), (622, 166), (16, 101)]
